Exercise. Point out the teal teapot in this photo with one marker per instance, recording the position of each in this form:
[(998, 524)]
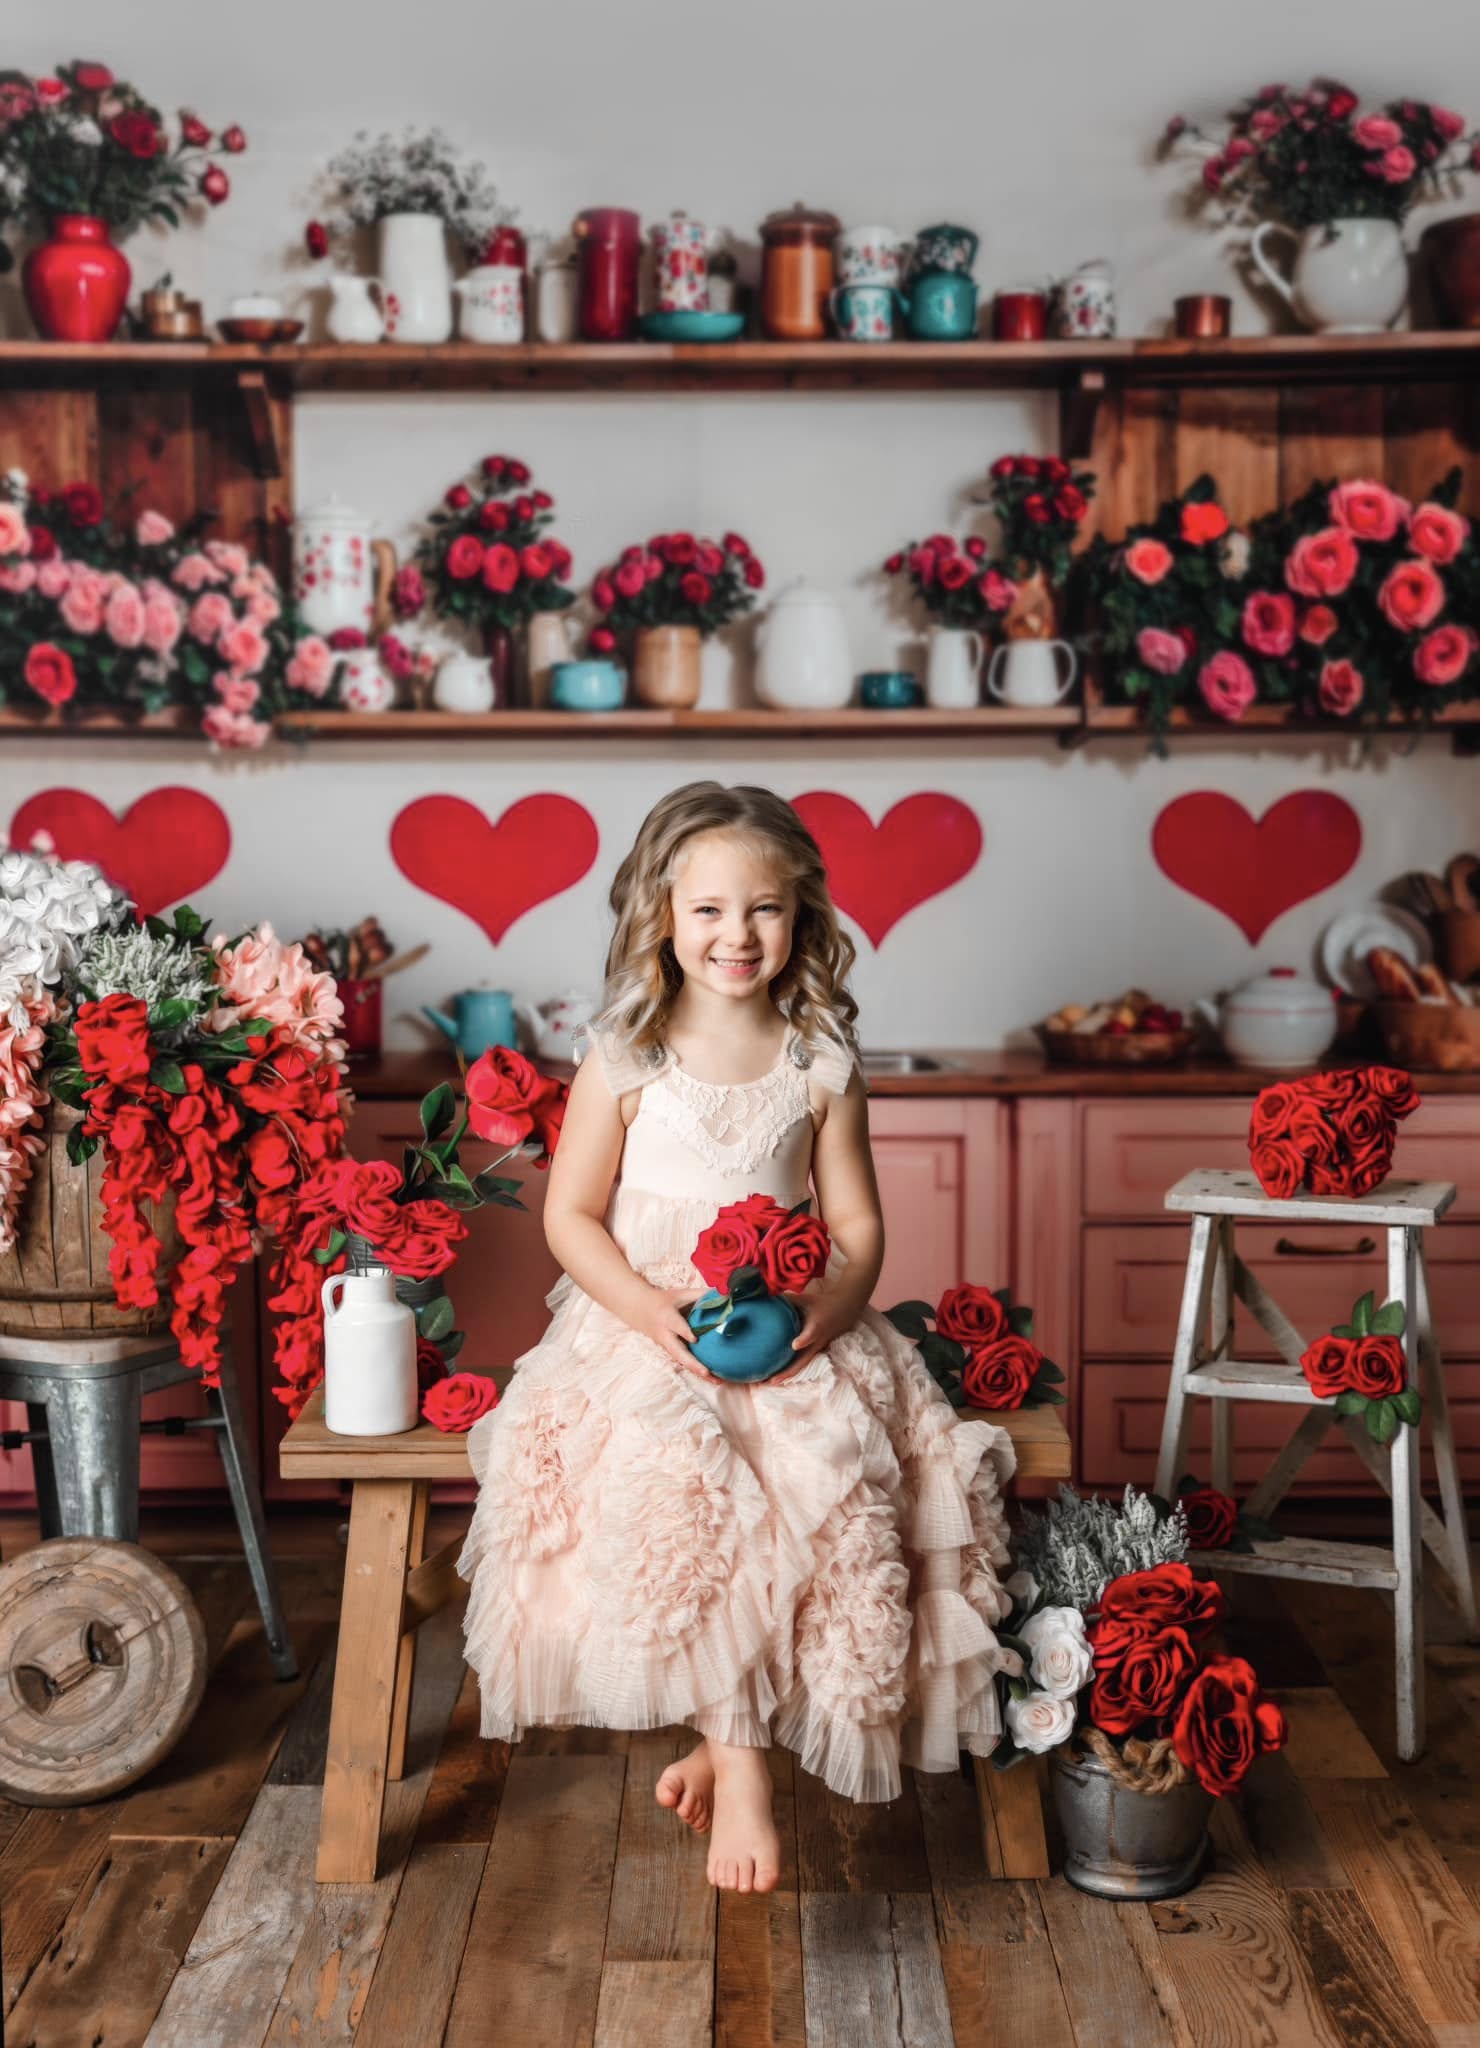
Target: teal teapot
[(482, 1017), (940, 306)]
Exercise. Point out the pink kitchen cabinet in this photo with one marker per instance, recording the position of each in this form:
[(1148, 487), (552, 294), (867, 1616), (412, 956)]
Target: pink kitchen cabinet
[(944, 1166)]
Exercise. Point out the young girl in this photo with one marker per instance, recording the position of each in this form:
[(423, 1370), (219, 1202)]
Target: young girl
[(812, 1559)]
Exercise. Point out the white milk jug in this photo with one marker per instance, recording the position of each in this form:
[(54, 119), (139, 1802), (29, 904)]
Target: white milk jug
[(369, 1356)]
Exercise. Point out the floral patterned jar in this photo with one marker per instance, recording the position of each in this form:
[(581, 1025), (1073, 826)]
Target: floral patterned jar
[(682, 267)]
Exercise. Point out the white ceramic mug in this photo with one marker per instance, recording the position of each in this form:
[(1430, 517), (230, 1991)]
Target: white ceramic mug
[(953, 669), (1031, 677), (492, 304), (869, 256)]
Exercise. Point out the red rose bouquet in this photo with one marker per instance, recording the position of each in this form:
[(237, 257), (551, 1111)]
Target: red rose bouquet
[(488, 556), (954, 582), (676, 579), (1041, 503), (980, 1352), (753, 1248), (1363, 1365), (1332, 1133)]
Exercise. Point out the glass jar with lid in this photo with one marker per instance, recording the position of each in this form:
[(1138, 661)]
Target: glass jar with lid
[(797, 272)]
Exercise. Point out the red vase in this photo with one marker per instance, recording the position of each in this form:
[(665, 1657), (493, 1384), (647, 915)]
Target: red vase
[(76, 284)]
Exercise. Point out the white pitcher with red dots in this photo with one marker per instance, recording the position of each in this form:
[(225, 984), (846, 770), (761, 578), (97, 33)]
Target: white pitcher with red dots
[(341, 577)]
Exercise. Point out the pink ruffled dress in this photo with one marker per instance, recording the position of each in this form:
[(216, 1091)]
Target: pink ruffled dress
[(815, 1564)]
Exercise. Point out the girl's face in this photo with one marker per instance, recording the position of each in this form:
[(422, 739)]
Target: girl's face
[(732, 916)]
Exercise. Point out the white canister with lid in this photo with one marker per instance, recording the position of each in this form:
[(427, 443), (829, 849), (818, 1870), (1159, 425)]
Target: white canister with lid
[(370, 1386), (802, 652), (1279, 1020)]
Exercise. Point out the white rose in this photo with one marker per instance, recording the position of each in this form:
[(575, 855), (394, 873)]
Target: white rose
[(1040, 1722), (1233, 557), (1062, 1660)]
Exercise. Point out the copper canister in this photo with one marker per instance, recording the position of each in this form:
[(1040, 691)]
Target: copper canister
[(797, 273)]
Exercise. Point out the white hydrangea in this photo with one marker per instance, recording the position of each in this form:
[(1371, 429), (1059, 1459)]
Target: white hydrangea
[(47, 907)]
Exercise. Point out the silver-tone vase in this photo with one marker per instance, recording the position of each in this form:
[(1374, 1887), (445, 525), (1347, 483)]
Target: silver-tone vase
[(413, 1294), (1122, 1844)]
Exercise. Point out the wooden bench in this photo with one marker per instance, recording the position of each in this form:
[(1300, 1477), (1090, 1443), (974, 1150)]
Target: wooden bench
[(391, 1588)]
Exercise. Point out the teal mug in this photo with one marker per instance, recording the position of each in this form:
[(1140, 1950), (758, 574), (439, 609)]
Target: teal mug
[(863, 312), (945, 247), (940, 306), (889, 689)]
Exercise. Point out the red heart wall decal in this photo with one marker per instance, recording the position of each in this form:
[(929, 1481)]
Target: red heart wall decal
[(877, 873), (494, 873), (165, 845), (1254, 872)]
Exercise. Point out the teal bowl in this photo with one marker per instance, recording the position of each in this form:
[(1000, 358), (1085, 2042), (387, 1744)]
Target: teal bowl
[(755, 1344), (594, 685), (889, 689), (699, 325)]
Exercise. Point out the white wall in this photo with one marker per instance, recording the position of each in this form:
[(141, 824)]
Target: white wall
[(1033, 124)]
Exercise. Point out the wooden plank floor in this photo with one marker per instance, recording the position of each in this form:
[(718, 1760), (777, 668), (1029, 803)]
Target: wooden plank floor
[(538, 1898)]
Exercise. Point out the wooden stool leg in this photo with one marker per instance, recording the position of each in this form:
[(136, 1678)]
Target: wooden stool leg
[(365, 1680), (1407, 1549), (1436, 1400), (1190, 1327), (241, 1479), (1221, 1346), (1010, 1805), (406, 1654)]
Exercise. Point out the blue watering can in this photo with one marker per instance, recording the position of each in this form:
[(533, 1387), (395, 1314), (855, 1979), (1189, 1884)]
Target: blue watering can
[(481, 1017)]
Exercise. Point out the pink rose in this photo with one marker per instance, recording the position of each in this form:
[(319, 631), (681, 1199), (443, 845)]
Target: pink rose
[(152, 528), (1341, 688), (1164, 652), (1442, 656), (1396, 166), (1317, 623), (1322, 564), (1369, 510), (1269, 622), (1412, 596), (1148, 560), (210, 616), (237, 693), (15, 535), (1449, 124), (123, 617), (263, 608), (53, 577), (996, 590), (163, 620), (225, 728), (196, 572), (1376, 131), (82, 607), (230, 556), (312, 666), (1265, 123), (18, 577), (243, 647), (1437, 532), (1227, 685)]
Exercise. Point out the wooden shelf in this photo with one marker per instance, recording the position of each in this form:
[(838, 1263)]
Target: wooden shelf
[(737, 724)]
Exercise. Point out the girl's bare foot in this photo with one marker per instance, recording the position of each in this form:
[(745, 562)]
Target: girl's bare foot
[(744, 1849), (688, 1787)]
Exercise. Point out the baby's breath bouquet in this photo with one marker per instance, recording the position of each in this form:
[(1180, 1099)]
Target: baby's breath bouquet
[(413, 172)]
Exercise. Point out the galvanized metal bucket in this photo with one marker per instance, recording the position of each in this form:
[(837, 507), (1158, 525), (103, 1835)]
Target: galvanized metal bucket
[(1124, 1844)]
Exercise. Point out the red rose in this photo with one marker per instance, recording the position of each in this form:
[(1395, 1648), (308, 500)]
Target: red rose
[(113, 1039), (1005, 465), (630, 579), (518, 472), (500, 567), (733, 544), (543, 501), (999, 1375), (696, 589), (955, 572), (1326, 1365), (971, 1315), (761, 1212), (1378, 1367), (536, 561), (1341, 104), (723, 1248), (492, 516), (1070, 502), (91, 77), (454, 1404), (368, 1195), (316, 235), (524, 508), (195, 133), (1391, 1086), (509, 1099), (1269, 622), (43, 543), (893, 565), (603, 593), (1279, 1167), (754, 574), (975, 546), (431, 1366), (1223, 1725), (709, 560), (1029, 465), (50, 673), (601, 640), (233, 140), (215, 186), (135, 131), (1366, 1125), (1056, 469), (84, 503), (1165, 1596), (794, 1253), (426, 1243), (1412, 595), (495, 465), (680, 549), (1212, 1518), (1037, 508), (345, 639), (1203, 522), (270, 1158), (1139, 1675), (457, 497)]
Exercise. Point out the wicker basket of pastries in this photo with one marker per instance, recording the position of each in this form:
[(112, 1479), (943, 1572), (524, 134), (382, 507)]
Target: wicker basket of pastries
[(1132, 1031), (1426, 1020)]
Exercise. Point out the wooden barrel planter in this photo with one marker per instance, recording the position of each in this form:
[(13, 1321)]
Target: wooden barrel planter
[(54, 1281)]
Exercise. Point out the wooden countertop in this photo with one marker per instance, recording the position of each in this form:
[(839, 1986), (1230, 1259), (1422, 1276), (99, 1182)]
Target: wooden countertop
[(967, 1072)]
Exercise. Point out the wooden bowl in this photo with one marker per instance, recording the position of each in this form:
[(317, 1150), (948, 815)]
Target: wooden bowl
[(1442, 1037), (260, 332), (1114, 1048)]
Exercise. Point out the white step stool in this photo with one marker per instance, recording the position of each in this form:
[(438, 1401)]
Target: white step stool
[(1202, 1363)]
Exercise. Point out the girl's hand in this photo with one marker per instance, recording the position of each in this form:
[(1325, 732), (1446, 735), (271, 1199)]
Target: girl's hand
[(825, 1315), (667, 1325)]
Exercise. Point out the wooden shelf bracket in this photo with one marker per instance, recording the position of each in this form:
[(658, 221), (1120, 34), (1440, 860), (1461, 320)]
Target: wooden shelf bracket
[(1080, 397), (261, 417)]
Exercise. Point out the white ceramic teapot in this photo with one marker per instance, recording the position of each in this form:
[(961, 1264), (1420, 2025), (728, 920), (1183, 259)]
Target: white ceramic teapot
[(803, 662), (1279, 1019), (341, 577), (561, 1017)]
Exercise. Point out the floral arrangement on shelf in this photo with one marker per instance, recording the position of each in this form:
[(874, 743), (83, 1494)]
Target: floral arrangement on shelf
[(413, 172), (1363, 1364), (1041, 503), (1330, 1133), (953, 581), (94, 613), (487, 557), (1361, 603), (1107, 1649), (85, 142), (981, 1351), (1214, 1520), (675, 579), (752, 1257), (1314, 156)]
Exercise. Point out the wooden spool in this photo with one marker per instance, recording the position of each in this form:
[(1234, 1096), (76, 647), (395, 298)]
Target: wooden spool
[(55, 1278), (102, 1664)]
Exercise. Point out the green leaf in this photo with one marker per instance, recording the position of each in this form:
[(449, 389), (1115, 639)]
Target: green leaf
[(747, 1283), (911, 1318), (438, 1109), (1018, 1687), (1049, 1371), (490, 1185), (1045, 1397), (169, 1014), (1162, 1507), (1389, 1320), (941, 1354), (166, 1074), (1409, 1405), (434, 1319), (79, 1147), (257, 1027), (452, 1343), (1382, 1420), (1020, 1321), (1351, 1402), (157, 928), (1362, 1315), (188, 922)]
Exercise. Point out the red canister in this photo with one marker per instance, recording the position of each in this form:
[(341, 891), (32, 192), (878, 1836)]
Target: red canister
[(608, 250), (1020, 316)]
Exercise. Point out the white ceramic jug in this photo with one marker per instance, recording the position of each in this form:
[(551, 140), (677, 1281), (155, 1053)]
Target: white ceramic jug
[(339, 572), (369, 1356), (1026, 673), (415, 277), (353, 314), (802, 652), (363, 684), (1350, 277), (953, 669), (492, 308), (464, 683)]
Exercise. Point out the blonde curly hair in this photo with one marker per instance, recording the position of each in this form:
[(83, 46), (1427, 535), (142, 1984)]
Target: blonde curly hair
[(642, 975)]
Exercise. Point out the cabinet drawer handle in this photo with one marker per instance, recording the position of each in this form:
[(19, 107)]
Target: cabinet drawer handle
[(1289, 1249)]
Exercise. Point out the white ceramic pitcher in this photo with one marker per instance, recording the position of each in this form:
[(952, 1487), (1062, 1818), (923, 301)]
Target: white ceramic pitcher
[(953, 668), (340, 574), (353, 314), (369, 1356), (415, 277), (1026, 673), (1350, 277)]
